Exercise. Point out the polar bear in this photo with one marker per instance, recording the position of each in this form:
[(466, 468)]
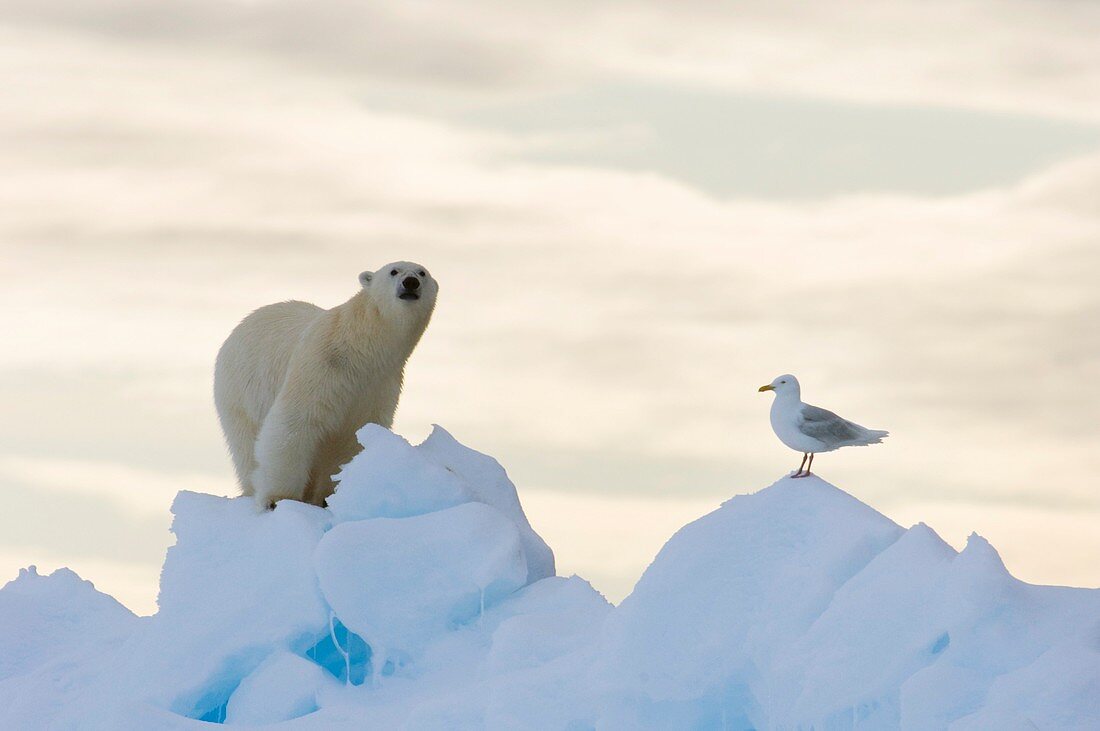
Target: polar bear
[(293, 382)]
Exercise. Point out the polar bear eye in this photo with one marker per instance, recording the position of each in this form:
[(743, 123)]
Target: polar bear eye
[(422, 273), (393, 272)]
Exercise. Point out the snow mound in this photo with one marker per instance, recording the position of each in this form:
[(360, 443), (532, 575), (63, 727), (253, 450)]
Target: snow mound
[(421, 598), (799, 607), (393, 479), (41, 616), (448, 565), (283, 687)]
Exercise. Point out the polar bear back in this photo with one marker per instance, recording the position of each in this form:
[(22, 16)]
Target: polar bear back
[(253, 361)]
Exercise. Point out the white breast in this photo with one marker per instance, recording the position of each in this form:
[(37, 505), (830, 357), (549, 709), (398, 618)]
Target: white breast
[(785, 417)]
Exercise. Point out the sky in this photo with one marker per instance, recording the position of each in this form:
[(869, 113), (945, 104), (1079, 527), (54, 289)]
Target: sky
[(638, 213)]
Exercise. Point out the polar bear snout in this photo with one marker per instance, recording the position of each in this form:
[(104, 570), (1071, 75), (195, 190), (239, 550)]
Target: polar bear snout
[(410, 283), (409, 289)]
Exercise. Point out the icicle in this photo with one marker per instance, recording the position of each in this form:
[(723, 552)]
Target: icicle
[(377, 665), (345, 653), (481, 608)]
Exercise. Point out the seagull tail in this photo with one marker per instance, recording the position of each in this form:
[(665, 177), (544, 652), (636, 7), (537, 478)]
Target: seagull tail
[(875, 436), (866, 436)]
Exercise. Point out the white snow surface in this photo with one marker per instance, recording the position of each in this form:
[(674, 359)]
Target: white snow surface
[(422, 599)]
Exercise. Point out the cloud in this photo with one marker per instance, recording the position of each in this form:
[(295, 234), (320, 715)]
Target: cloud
[(396, 42), (1010, 55), (736, 144)]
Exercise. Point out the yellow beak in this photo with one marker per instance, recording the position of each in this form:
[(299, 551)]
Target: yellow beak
[(769, 387)]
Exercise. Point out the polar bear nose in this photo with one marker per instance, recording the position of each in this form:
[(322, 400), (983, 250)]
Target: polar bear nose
[(411, 283)]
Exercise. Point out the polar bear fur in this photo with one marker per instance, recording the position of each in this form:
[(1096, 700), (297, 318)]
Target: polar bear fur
[(294, 382)]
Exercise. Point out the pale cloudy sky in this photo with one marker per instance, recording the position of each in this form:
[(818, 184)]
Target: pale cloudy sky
[(638, 213)]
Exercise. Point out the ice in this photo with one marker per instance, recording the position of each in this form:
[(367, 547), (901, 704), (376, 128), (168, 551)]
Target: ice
[(343, 653), (1027, 699), (799, 607), (487, 482), (421, 598), (878, 655), (400, 582), (282, 687), (238, 584), (44, 616), (548, 620), (393, 479), (729, 589), (540, 650)]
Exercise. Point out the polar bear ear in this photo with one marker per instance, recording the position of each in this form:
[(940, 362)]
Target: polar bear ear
[(365, 277)]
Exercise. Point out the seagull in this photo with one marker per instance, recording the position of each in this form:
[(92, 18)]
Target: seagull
[(810, 430)]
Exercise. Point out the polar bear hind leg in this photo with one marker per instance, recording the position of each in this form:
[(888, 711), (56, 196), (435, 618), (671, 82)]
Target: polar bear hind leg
[(240, 433)]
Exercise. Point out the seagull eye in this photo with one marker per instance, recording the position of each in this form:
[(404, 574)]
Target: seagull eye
[(393, 272)]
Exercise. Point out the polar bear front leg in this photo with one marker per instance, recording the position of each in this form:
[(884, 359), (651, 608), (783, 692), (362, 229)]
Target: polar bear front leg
[(285, 451)]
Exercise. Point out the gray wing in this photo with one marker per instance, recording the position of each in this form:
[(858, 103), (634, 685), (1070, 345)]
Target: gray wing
[(827, 427)]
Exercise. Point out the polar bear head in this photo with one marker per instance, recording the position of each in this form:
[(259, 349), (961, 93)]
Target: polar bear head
[(402, 288)]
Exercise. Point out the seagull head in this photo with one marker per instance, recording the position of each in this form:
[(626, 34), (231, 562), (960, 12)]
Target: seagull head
[(783, 384)]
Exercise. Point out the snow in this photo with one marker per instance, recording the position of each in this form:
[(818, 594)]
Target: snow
[(422, 598), (282, 687), (44, 615), (393, 479), (449, 565)]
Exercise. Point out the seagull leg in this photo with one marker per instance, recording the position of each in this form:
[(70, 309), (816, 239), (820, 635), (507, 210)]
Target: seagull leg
[(810, 465), (799, 473)]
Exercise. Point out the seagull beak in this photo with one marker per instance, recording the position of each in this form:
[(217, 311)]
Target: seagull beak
[(769, 387)]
